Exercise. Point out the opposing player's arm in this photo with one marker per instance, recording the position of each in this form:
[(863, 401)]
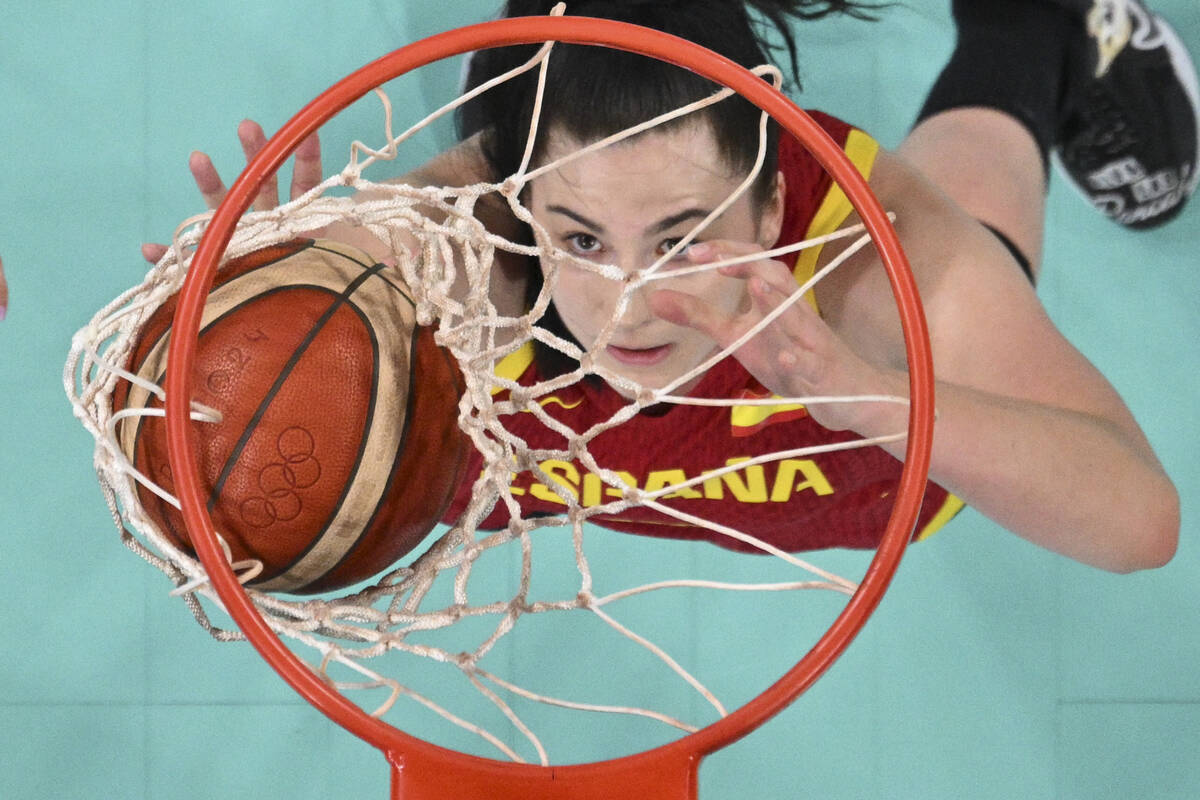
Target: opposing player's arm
[(1029, 432)]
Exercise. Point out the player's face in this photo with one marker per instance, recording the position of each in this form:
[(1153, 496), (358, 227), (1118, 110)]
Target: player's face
[(626, 205)]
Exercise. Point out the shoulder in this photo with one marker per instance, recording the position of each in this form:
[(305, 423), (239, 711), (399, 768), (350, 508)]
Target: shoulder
[(798, 164), (975, 296), (813, 204), (988, 329)]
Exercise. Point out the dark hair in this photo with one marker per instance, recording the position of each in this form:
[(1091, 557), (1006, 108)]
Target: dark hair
[(592, 92)]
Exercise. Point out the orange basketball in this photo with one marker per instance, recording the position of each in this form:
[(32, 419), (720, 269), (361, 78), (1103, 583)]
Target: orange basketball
[(338, 448)]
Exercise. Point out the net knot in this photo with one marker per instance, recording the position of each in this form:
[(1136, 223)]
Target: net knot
[(520, 605), (511, 187), (519, 396)]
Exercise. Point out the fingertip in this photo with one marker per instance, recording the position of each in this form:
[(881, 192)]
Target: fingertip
[(153, 252), (311, 145), (248, 128), (682, 309), (203, 171), (205, 175), (667, 305), (658, 300)]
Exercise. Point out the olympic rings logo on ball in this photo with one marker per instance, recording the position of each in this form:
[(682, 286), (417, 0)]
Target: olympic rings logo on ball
[(280, 480)]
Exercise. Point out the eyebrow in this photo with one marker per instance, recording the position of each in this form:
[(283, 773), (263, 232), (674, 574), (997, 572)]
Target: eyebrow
[(661, 226)]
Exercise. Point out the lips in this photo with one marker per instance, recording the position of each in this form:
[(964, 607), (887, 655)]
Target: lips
[(641, 357)]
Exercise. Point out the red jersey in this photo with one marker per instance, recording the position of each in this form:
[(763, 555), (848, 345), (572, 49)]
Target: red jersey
[(836, 499)]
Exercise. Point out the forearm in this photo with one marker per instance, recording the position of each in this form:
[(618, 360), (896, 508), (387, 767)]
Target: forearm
[(461, 165), (1074, 483), (464, 164)]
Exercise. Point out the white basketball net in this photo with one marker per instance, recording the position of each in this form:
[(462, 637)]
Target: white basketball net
[(347, 634)]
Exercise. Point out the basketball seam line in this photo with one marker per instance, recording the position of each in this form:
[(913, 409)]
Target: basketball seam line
[(400, 288), (284, 374), (393, 473)]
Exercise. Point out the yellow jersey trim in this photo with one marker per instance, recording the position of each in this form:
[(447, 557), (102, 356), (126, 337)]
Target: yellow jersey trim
[(949, 508), (755, 416), (513, 365), (862, 150)]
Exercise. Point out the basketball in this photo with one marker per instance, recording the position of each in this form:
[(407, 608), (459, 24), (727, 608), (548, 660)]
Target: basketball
[(338, 448)]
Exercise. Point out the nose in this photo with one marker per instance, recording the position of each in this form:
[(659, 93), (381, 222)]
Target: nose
[(637, 311)]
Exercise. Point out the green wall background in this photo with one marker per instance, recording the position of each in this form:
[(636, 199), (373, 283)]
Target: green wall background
[(992, 670)]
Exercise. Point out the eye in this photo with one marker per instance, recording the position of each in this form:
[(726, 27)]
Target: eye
[(583, 243), (665, 246)]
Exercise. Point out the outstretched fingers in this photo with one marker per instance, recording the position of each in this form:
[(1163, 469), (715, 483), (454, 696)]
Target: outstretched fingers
[(251, 135), (306, 167), (768, 282), (207, 179), (790, 353), (793, 352), (212, 190), (306, 174)]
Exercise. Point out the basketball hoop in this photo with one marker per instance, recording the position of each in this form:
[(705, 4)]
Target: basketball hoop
[(422, 770)]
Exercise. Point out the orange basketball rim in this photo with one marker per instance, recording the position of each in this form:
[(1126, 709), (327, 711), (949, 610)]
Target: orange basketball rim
[(423, 771)]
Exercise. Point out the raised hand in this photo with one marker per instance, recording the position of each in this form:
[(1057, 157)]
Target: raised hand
[(306, 173), (797, 354)]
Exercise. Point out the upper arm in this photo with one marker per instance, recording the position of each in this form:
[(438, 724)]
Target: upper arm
[(988, 329)]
